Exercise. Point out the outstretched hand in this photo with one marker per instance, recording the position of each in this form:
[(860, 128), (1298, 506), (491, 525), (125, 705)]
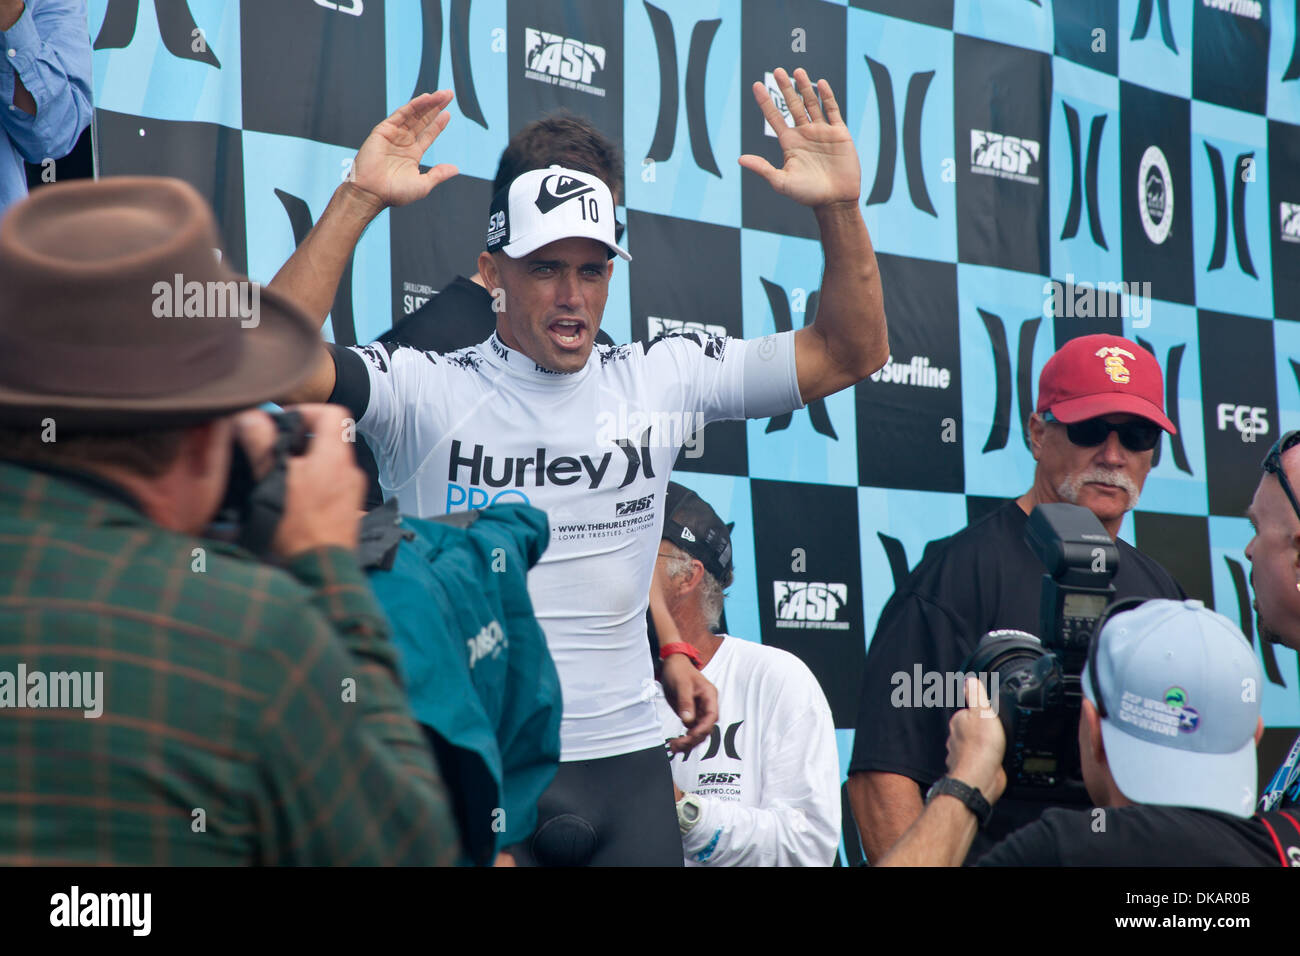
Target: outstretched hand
[(820, 164), (387, 167)]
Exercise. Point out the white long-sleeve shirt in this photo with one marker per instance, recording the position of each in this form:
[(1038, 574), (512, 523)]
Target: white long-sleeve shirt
[(768, 778)]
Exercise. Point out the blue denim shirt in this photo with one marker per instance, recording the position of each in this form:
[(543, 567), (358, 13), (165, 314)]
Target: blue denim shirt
[(49, 47)]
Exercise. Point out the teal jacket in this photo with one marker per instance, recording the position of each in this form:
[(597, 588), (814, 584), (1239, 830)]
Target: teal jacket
[(476, 664)]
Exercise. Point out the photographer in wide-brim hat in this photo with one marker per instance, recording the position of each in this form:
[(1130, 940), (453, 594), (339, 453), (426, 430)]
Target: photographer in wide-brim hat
[(195, 675)]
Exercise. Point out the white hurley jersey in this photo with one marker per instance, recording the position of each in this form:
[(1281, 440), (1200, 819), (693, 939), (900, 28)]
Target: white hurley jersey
[(768, 778), (594, 449)]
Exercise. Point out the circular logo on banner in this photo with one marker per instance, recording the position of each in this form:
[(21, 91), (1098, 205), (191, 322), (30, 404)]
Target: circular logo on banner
[(1155, 195)]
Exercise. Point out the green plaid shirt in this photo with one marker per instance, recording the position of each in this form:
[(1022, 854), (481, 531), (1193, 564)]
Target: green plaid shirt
[(247, 717)]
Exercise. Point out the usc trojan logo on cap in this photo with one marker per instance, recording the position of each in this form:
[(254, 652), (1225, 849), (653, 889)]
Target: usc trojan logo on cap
[(1114, 361)]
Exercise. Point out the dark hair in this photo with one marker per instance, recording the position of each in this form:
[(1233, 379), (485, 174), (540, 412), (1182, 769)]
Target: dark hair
[(146, 452), (562, 139)]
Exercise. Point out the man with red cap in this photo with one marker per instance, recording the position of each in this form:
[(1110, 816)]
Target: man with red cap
[(1098, 419)]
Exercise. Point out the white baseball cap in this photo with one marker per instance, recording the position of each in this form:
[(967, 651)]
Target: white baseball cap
[(544, 205), (1179, 687)]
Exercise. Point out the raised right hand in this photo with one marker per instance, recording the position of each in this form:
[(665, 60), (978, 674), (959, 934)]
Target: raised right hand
[(386, 170)]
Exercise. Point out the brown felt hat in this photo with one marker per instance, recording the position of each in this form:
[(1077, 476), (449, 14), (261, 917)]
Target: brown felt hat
[(117, 312)]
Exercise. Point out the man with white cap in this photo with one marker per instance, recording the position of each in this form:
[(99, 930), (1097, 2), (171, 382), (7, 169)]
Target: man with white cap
[(1167, 737), (541, 415)]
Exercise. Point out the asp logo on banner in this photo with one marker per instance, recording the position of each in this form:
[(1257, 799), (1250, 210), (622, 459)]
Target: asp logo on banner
[(810, 604), (563, 61), (1009, 157)]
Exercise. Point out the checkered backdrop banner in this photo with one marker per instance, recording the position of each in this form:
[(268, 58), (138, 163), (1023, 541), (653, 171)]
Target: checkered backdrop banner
[(1032, 171)]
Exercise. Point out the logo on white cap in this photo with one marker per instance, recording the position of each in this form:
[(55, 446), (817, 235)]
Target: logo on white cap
[(559, 188)]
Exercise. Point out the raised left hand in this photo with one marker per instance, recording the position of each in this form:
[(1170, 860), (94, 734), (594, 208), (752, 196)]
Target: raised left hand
[(820, 164)]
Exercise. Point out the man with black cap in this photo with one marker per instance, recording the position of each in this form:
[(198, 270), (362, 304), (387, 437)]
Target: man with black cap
[(765, 789), (1099, 415), (166, 698)]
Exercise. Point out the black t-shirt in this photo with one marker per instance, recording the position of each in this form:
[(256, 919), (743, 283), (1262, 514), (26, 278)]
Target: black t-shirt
[(983, 578), (1136, 836), (459, 316)]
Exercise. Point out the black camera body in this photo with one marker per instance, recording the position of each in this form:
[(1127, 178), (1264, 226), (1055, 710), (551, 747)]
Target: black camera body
[(1038, 688), (252, 507)]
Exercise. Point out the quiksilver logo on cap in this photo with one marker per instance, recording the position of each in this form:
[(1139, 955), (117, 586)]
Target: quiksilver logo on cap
[(558, 188)]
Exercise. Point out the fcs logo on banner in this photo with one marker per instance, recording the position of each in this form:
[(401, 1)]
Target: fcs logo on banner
[(182, 38), (1088, 182), (1248, 420), (1155, 195), (1173, 368), (778, 98), (1008, 157), (697, 64), (1143, 22), (562, 61), (1000, 430), (341, 316), (913, 105), (352, 7), (1289, 221), (812, 605), (780, 305), (1218, 255)]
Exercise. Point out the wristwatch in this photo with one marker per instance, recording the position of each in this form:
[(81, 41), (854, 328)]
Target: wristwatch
[(970, 796), (688, 812)]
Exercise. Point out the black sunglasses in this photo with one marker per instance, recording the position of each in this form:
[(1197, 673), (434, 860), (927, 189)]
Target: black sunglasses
[(1135, 436), (1116, 607), (1273, 465)]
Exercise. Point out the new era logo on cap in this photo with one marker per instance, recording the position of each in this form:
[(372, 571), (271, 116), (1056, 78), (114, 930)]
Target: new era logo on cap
[(543, 206)]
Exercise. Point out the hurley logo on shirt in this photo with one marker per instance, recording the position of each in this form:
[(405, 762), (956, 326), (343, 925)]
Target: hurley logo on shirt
[(477, 467)]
